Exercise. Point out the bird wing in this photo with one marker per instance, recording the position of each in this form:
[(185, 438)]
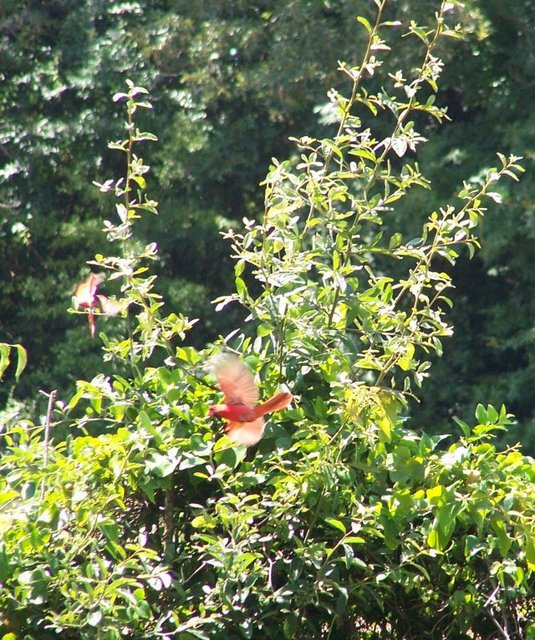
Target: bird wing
[(85, 292), (236, 381), (245, 433), (110, 307)]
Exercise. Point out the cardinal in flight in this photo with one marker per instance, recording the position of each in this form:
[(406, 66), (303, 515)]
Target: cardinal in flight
[(86, 296), (245, 416)]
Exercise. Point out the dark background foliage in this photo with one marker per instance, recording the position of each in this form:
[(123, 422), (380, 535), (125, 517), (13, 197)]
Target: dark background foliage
[(229, 84)]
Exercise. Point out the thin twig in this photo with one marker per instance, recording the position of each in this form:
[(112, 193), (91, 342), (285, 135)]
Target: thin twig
[(491, 597), (168, 521), (488, 610), (48, 420)]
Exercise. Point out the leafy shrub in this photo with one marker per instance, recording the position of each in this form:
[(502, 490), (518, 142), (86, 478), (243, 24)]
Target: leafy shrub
[(142, 522)]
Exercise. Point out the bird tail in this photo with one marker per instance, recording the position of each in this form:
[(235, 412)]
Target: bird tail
[(276, 403)]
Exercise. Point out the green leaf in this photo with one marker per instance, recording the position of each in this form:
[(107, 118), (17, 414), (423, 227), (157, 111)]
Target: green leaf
[(473, 546), (504, 541), (366, 24), (94, 618), (140, 180), (433, 539), (161, 465), (146, 423), (465, 428), (405, 361), (231, 456), (290, 626), (364, 153), (336, 524), (4, 358), (264, 330), (481, 414), (333, 147), (395, 241), (203, 521), (241, 288), (22, 359), (435, 494), (391, 533)]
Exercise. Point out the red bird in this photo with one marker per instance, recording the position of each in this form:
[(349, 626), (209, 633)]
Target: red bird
[(85, 296), (245, 422)]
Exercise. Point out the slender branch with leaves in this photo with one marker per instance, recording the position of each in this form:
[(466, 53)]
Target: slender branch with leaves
[(151, 330), (329, 264)]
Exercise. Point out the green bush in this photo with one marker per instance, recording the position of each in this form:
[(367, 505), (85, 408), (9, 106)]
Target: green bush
[(141, 521)]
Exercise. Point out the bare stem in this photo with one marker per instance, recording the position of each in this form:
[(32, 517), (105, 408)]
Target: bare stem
[(48, 421)]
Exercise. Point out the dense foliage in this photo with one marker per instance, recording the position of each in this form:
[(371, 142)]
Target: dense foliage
[(141, 521)]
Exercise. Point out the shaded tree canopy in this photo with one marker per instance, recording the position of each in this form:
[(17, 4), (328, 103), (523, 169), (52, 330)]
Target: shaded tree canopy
[(230, 84)]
